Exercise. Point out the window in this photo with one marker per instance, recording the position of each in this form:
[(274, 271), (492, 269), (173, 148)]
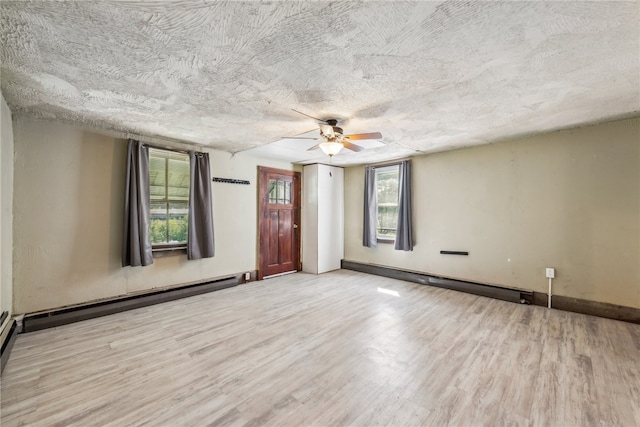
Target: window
[(169, 189), (387, 196), (279, 192)]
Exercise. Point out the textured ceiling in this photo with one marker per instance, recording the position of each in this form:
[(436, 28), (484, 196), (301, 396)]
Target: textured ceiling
[(430, 76)]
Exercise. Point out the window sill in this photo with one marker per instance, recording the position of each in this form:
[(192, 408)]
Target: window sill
[(385, 240), (167, 251)]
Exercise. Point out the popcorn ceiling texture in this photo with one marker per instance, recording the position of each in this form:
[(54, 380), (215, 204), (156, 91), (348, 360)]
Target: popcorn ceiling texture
[(430, 76)]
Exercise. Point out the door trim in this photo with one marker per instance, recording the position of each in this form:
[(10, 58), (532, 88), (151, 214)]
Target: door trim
[(262, 206)]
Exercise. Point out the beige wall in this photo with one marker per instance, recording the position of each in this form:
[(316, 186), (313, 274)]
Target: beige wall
[(568, 199), (68, 219), (6, 209)]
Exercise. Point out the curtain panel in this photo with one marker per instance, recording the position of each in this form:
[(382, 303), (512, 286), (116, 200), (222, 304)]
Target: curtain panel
[(369, 238), (200, 237), (136, 241), (404, 232)]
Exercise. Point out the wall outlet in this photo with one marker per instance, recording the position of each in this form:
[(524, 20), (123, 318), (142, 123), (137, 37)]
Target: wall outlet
[(551, 273), (247, 276)]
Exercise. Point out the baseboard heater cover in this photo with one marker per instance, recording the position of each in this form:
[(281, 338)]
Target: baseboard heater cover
[(35, 322), (575, 305), (497, 292), (7, 345)]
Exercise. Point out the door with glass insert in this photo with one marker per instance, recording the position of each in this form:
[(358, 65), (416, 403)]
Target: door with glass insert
[(279, 220)]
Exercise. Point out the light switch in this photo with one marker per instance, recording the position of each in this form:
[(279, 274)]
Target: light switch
[(551, 273)]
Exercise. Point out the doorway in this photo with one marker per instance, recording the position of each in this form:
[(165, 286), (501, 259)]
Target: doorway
[(279, 195)]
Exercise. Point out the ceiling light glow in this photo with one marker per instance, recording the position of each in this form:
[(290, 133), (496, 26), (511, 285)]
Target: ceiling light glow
[(331, 148)]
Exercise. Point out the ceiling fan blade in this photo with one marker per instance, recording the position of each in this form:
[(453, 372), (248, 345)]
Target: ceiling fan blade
[(297, 137), (311, 117), (350, 146), (314, 147), (357, 136)]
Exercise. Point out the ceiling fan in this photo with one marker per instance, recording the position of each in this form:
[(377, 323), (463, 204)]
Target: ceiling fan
[(333, 138)]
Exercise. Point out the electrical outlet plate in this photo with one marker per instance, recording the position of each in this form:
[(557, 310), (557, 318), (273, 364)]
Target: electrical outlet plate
[(551, 273), (247, 276)]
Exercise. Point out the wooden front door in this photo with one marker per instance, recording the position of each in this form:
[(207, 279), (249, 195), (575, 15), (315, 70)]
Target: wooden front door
[(278, 221)]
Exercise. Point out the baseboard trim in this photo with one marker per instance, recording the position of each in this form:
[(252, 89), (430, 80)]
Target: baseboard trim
[(593, 308), (53, 318), (7, 344), (482, 289)]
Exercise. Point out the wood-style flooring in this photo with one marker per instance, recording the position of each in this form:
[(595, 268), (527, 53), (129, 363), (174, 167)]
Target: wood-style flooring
[(328, 350)]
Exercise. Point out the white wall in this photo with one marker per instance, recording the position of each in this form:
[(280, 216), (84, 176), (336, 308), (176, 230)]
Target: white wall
[(322, 218), (330, 217), (69, 186), (6, 210), (567, 199), (310, 219)]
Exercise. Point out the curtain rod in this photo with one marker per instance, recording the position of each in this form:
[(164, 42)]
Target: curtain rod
[(166, 147), (163, 143), (390, 163), (160, 147)]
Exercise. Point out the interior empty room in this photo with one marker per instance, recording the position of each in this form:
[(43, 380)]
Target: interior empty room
[(320, 213)]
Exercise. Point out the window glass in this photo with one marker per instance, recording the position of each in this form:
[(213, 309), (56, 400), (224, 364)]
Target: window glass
[(279, 192), (178, 222), (178, 179), (287, 193), (387, 197), (273, 196), (157, 177), (169, 188)]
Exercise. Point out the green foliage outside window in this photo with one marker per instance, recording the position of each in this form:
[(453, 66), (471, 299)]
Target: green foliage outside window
[(158, 231), (177, 230)]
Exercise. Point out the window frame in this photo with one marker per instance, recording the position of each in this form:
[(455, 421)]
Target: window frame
[(167, 249), (384, 168)]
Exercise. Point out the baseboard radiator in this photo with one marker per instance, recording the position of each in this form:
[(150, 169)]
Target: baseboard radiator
[(575, 305), (53, 318), (491, 291), (7, 343)]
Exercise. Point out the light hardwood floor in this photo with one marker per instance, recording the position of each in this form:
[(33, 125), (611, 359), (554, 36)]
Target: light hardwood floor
[(328, 350)]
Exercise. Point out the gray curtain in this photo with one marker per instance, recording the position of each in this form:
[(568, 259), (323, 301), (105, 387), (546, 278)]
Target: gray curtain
[(200, 239), (136, 241), (369, 238), (404, 241)]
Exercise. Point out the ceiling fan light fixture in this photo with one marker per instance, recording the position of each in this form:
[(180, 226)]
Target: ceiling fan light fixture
[(333, 139), (331, 148)]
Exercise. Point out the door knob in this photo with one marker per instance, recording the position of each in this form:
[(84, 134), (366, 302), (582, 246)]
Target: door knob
[(295, 225)]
